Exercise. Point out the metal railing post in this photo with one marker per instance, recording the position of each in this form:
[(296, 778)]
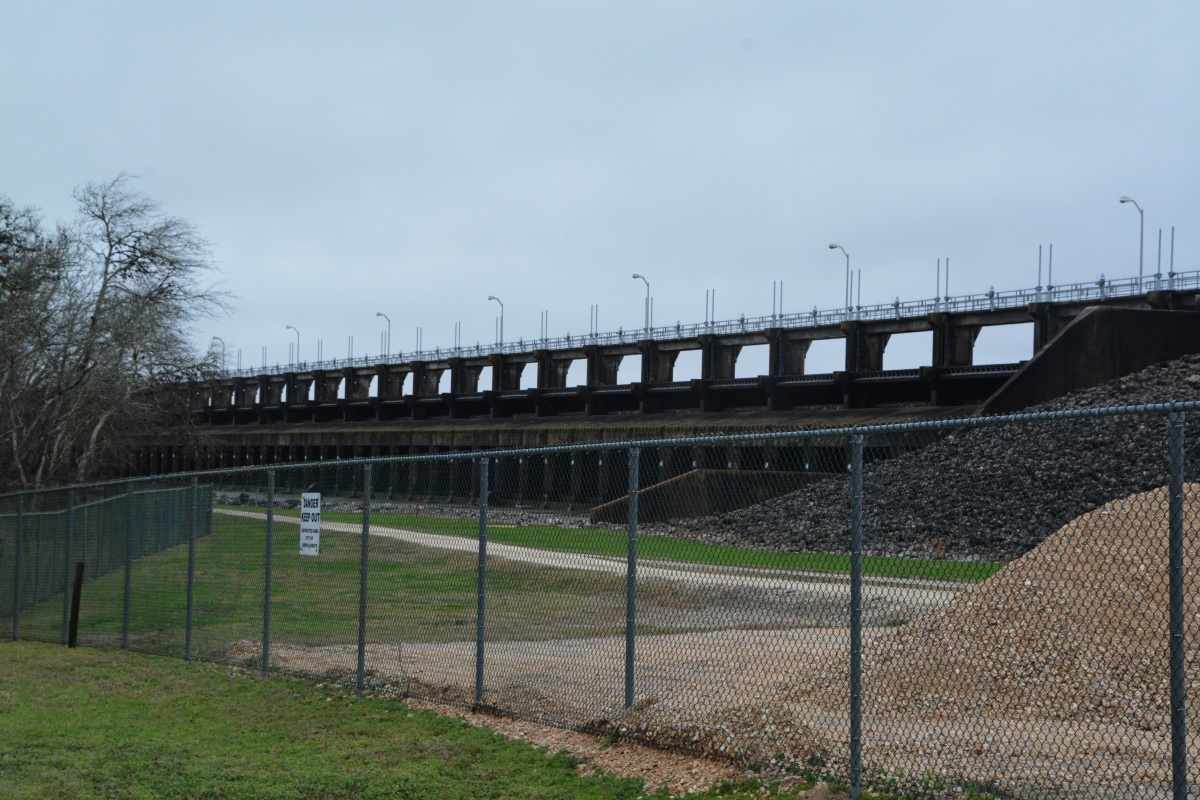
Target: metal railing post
[(193, 508), (68, 547), (130, 527), (856, 545), (1179, 787), (16, 620), (265, 666), (631, 575), (481, 599), (362, 580)]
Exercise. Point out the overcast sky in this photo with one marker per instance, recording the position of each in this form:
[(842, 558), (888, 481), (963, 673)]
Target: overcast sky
[(412, 158)]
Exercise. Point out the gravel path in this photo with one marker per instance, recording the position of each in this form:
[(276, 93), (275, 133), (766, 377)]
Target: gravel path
[(918, 595)]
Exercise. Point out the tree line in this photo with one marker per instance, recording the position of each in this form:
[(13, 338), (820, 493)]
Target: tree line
[(94, 333)]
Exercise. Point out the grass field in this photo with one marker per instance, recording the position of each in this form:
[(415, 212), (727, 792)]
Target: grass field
[(106, 724), (417, 594), (423, 594), (602, 541)]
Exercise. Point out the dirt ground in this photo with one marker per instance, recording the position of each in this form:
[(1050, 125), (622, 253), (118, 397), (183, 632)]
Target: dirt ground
[(681, 774), (735, 712)]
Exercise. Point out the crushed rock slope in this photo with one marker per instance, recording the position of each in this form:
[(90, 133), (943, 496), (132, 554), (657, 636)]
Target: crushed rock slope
[(990, 493)]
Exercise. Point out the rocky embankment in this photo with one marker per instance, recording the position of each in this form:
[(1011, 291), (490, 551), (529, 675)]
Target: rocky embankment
[(990, 493)]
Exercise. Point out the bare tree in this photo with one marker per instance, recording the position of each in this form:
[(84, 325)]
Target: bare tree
[(94, 332)]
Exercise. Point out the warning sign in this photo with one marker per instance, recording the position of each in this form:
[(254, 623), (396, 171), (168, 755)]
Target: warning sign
[(310, 524)]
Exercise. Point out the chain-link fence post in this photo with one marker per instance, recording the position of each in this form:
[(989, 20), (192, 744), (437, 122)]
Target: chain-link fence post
[(856, 545), (194, 510), (631, 575), (37, 562), (16, 620), (481, 600), (130, 527), (362, 580), (266, 638), (68, 557), (1179, 789)]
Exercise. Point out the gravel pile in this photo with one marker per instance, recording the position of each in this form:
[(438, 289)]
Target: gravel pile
[(1076, 630), (988, 494)]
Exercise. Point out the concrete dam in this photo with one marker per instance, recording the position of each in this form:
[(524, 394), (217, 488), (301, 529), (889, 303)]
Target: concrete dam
[(1083, 335)]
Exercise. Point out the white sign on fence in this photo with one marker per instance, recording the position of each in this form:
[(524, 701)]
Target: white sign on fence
[(310, 524)]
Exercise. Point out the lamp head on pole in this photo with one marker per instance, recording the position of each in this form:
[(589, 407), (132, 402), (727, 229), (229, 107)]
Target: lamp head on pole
[(1128, 199), (297, 330)]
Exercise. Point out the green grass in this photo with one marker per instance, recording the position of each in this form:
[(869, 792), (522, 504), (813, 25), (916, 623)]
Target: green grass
[(105, 724), (424, 594), (95, 723), (601, 541), (416, 594)]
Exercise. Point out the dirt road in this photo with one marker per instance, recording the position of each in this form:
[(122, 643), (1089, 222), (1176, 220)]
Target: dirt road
[(915, 593)]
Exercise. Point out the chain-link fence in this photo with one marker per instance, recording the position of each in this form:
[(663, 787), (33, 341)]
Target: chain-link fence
[(1002, 606)]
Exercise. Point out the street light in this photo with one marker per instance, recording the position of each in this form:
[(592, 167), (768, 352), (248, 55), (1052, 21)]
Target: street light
[(1141, 235), (498, 300), (289, 327), (222, 341), (847, 255), (389, 334), (636, 276)]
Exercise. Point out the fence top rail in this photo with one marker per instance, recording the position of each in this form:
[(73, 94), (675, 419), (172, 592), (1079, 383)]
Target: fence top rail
[(97, 502), (1145, 409), (27, 514)]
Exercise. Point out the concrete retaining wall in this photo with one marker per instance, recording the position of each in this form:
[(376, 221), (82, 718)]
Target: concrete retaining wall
[(704, 491), (1099, 345)]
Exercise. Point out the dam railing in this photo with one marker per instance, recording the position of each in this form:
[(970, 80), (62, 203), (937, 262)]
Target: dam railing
[(1100, 289)]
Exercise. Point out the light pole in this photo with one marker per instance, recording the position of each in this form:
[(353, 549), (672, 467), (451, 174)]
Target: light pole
[(222, 341), (1141, 235), (389, 333), (498, 300), (289, 327), (643, 279), (847, 255)]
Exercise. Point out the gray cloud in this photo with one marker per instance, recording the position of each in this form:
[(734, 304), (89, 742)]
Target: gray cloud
[(413, 158)]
